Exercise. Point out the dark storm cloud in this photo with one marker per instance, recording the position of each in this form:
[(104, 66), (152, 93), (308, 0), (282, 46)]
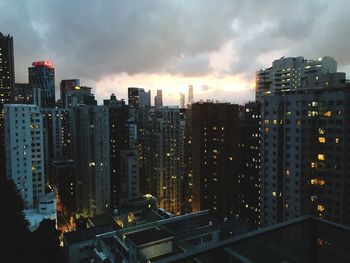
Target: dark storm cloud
[(91, 39)]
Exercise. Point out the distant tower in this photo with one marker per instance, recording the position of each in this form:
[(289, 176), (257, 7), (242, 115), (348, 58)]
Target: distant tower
[(190, 94), (65, 86), (158, 99), (42, 77), (7, 82), (138, 97), (182, 100)]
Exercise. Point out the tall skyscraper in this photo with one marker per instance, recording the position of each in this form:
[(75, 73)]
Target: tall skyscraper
[(121, 155), (304, 149), (215, 157), (163, 158), (182, 100), (91, 156), (65, 86), (190, 94), (42, 78), (158, 99), (58, 145), (7, 82), (249, 172), (138, 97), (25, 151)]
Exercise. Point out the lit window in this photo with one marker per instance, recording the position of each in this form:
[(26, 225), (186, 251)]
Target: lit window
[(320, 208), (327, 114), (321, 139), (274, 122), (319, 182), (321, 157), (313, 165), (321, 131), (337, 140), (273, 193)]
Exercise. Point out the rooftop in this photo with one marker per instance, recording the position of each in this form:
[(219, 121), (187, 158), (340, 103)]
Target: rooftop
[(148, 236)]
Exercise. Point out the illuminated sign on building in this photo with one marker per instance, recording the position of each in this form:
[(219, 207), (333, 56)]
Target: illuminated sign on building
[(45, 63)]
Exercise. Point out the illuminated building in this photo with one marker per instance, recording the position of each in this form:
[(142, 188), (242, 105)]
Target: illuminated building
[(42, 78), (249, 173), (215, 159), (91, 156), (305, 150), (138, 97), (158, 99), (123, 155), (163, 177), (7, 82), (65, 86), (25, 151)]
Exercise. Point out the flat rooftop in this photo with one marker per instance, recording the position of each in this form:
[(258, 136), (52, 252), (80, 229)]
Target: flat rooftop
[(148, 236)]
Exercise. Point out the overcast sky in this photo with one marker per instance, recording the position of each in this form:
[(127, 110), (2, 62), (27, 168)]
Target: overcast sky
[(168, 44)]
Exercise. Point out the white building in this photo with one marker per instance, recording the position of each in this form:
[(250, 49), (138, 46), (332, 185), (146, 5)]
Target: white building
[(24, 151)]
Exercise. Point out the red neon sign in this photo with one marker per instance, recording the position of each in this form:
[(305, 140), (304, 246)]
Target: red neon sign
[(45, 63)]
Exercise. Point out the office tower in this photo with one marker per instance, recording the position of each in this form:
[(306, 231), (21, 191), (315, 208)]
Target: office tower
[(25, 151), (183, 168), (163, 158), (215, 157), (58, 145), (65, 86), (287, 73), (23, 94), (91, 156), (129, 174), (7, 82), (182, 100), (249, 173), (119, 141), (304, 159), (79, 95), (158, 99), (42, 77), (138, 97), (190, 94)]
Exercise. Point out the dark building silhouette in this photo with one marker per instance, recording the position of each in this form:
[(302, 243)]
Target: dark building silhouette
[(23, 94), (7, 82), (138, 97), (65, 86), (249, 173), (215, 157), (78, 96), (158, 99), (42, 79)]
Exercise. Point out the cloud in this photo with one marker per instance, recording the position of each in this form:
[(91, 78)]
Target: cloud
[(98, 39)]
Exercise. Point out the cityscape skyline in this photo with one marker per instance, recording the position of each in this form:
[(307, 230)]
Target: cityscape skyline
[(219, 60)]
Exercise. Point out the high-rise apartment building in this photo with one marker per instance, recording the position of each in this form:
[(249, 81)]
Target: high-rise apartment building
[(65, 86), (249, 172), (286, 74), (215, 157), (91, 156), (42, 78), (25, 151), (138, 97), (58, 145), (158, 99), (7, 82), (163, 178), (305, 148)]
